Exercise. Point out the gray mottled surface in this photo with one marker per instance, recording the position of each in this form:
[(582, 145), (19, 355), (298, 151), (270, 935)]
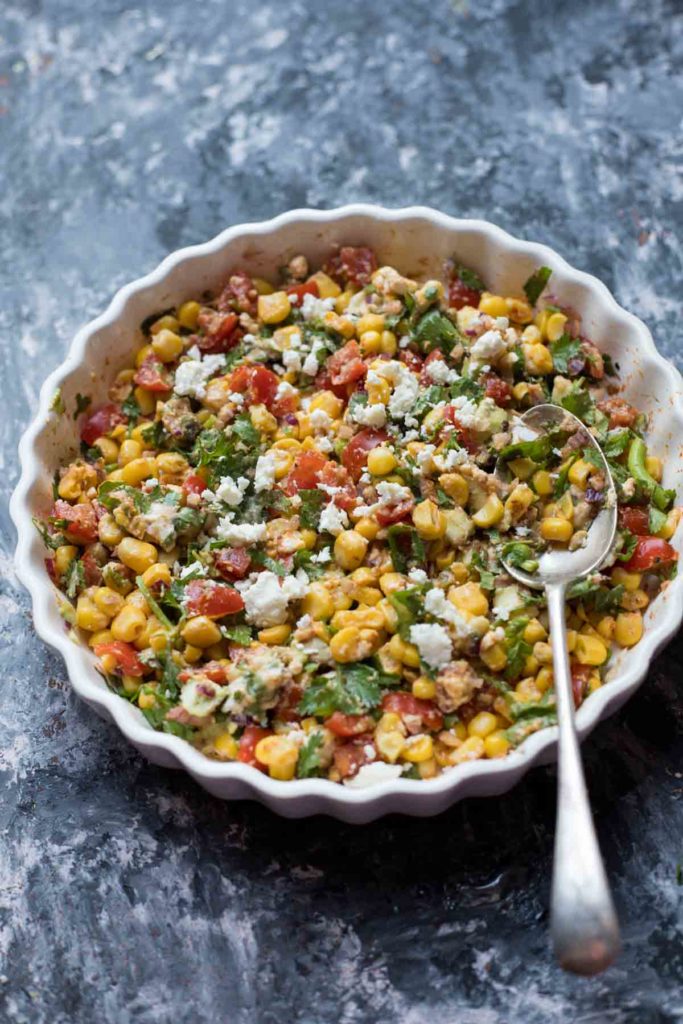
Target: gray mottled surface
[(126, 894)]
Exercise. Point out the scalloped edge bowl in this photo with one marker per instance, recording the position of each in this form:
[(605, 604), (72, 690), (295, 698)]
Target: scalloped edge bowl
[(416, 239)]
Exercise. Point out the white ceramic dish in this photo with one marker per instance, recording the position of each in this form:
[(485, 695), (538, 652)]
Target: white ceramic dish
[(416, 240)]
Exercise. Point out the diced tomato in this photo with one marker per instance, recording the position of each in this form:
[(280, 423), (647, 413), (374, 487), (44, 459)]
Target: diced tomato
[(346, 365), (240, 293), (497, 389), (355, 455), (249, 740), (460, 294), (354, 264), (580, 676), (91, 570), (206, 597), (193, 484), (305, 473), (349, 725), (258, 384), (388, 514), (283, 405), (81, 521), (221, 331), (151, 375), (287, 705), (297, 291), (413, 360), (620, 413), (233, 563), (51, 570), (215, 671), (464, 434), (334, 475), (634, 519), (101, 422), (405, 704), (127, 659), (651, 553), (349, 757)]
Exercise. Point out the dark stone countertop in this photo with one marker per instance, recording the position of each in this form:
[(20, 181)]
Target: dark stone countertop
[(127, 895)]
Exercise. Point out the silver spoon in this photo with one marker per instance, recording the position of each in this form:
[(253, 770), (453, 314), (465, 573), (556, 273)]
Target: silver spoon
[(584, 925)]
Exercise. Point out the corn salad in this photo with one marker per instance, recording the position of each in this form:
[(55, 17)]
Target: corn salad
[(283, 537)]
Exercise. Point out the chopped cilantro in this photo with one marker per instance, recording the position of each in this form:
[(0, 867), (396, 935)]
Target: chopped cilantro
[(151, 601), (578, 401), (434, 330), (427, 399), (82, 403), (563, 350), (467, 387), (354, 691), (596, 595), (74, 580), (259, 557), (469, 277), (308, 764), (406, 546), (409, 608), (246, 431), (50, 540), (242, 635), (131, 409), (657, 520), (535, 284), (518, 650), (626, 545), (304, 560), (312, 501)]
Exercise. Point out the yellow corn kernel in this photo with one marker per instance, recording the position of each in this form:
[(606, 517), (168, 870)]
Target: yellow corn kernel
[(381, 461), (171, 463), (372, 618), (417, 749), (342, 301), (534, 631), (527, 691), (634, 600), (429, 520), (470, 749), (128, 624), (262, 286), (370, 322), (496, 744), (459, 572), (349, 549), (495, 657), (318, 602), (89, 616), (389, 582), (188, 314), (590, 650), (146, 701), (671, 524), (629, 580), (108, 448), (103, 636), (146, 400), (456, 487), (367, 527), (157, 573), (389, 743), (131, 683), (157, 636), (275, 634), (555, 325), (390, 615), (144, 353), (432, 420), (379, 391), (424, 688), (226, 746), (329, 403), (542, 483), (167, 346), (520, 390), (274, 308), (138, 555), (519, 310), (164, 323), (370, 342), (537, 359), (192, 654), (522, 468), (138, 470), (108, 601), (606, 627), (327, 288), (406, 653), (368, 597), (309, 538), (482, 725), (531, 335), (108, 531), (541, 321), (201, 631), (64, 556), (556, 529), (531, 666), (262, 419), (354, 644), (128, 451), (389, 343), (493, 305), (279, 754), (491, 512), (579, 473), (518, 501), (543, 653), (469, 598)]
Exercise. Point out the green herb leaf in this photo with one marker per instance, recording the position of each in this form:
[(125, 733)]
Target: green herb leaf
[(170, 681), (657, 519), (538, 450), (312, 501), (242, 635), (578, 401), (131, 409), (261, 558), (409, 606), (626, 545), (406, 546), (467, 387), (50, 540), (616, 442), (469, 277), (357, 690), (151, 601), (562, 350), (434, 330), (57, 403), (246, 431), (519, 554), (308, 764), (535, 284), (303, 559), (82, 403), (518, 650), (74, 578), (596, 595)]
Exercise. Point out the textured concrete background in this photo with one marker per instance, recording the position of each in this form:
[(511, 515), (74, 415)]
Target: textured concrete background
[(126, 894)]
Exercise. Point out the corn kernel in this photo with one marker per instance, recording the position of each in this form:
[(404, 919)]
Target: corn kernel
[(108, 601), (629, 580), (279, 754), (138, 555), (64, 556), (226, 747), (389, 744), (367, 527), (590, 650), (543, 483), (555, 529), (327, 288), (146, 701), (522, 468), (429, 520), (192, 654), (531, 335), (406, 653), (108, 531), (417, 749), (534, 631), (329, 403), (471, 749), (555, 325), (390, 582), (171, 463), (537, 359), (275, 634), (495, 657), (128, 451), (634, 600), (274, 308), (167, 346), (482, 725), (370, 342), (381, 461), (108, 448), (456, 487), (493, 305), (137, 470), (188, 314), (349, 549), (469, 598), (128, 624), (519, 310), (491, 512), (354, 644), (144, 353), (496, 744), (164, 323), (579, 472), (88, 615), (424, 688), (262, 419), (201, 631), (157, 573), (389, 343)]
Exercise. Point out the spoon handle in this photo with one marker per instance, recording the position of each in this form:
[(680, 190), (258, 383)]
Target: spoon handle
[(584, 925)]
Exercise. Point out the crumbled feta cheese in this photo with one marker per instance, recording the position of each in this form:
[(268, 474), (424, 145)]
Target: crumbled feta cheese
[(374, 774), (292, 360), (159, 521), (201, 696), (445, 461), (323, 444), (439, 373), (436, 604), (369, 415), (391, 494), (285, 390), (333, 519), (320, 420), (433, 643), (488, 347), (506, 601), (325, 555), (522, 531), (329, 489), (313, 308), (193, 569), (310, 365), (466, 410), (418, 576), (192, 374), (264, 474), (404, 396), (236, 398), (266, 597), (231, 491), (240, 535)]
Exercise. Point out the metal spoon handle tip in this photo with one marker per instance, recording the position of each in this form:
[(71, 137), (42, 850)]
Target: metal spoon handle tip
[(584, 925)]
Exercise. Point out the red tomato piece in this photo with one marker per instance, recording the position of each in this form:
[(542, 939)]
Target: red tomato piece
[(580, 676), (213, 670), (258, 384), (355, 455), (349, 725), (620, 413), (349, 757), (405, 704), (634, 519), (346, 365), (464, 434), (240, 293), (127, 660), (413, 360), (388, 514), (460, 294), (193, 484), (206, 597), (249, 740), (286, 708), (497, 389), (651, 553), (297, 291), (233, 563), (354, 264), (305, 473), (81, 521), (334, 475), (101, 422), (221, 331), (151, 375), (51, 570), (91, 570)]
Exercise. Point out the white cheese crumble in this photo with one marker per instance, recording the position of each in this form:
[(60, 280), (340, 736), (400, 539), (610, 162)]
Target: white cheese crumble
[(266, 597), (159, 521), (310, 365), (236, 398), (440, 607), (320, 420), (325, 555), (240, 535), (418, 576), (373, 774), (285, 390), (313, 308), (488, 347), (433, 643), (439, 373), (230, 491), (192, 374), (369, 415), (507, 600), (264, 474), (333, 520), (292, 360), (391, 494)]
